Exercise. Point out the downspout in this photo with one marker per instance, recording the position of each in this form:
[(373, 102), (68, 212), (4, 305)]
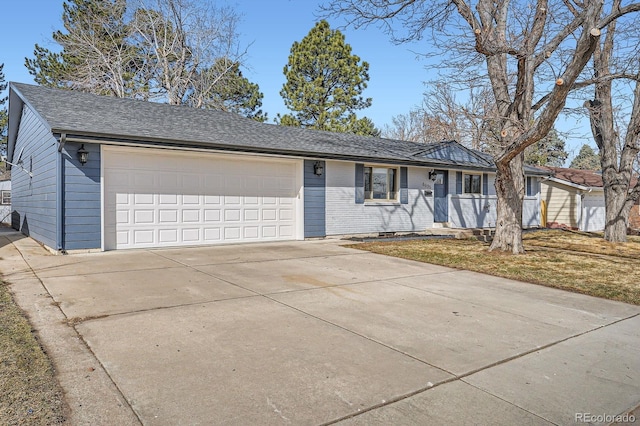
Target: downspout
[(59, 196), (543, 214)]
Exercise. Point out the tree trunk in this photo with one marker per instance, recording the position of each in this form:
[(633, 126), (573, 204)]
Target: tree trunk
[(510, 192), (617, 212)]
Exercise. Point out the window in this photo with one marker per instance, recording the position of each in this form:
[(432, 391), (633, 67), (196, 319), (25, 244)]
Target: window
[(531, 186), (380, 183), (472, 184), (5, 198)]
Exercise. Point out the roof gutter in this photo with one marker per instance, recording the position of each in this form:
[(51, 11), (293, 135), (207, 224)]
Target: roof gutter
[(163, 144), (574, 185)]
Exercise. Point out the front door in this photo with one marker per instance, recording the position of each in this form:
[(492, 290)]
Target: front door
[(440, 191)]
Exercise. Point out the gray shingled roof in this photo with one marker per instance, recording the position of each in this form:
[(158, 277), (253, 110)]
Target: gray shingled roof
[(87, 115)]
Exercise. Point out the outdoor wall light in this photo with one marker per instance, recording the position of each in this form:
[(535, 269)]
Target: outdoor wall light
[(83, 155), (433, 175), (318, 168)]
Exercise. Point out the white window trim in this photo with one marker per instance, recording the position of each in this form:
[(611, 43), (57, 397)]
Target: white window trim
[(463, 185), (387, 200), (2, 197)]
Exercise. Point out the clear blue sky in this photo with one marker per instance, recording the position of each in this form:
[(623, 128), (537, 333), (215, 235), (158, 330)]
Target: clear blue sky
[(270, 27)]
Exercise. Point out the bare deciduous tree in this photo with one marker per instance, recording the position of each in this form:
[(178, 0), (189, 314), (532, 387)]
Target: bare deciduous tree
[(176, 51), (616, 60), (520, 43), (182, 41), (442, 116)]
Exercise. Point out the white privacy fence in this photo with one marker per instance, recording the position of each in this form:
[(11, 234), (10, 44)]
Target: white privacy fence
[(479, 211)]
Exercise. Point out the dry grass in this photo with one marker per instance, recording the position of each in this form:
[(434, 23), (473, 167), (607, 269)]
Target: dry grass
[(583, 242), (29, 392), (573, 261)]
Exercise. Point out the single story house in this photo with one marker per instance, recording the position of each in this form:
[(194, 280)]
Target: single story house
[(5, 198), (573, 199), (95, 172)]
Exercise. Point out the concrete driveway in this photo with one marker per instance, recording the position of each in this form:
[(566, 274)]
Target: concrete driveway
[(312, 333)]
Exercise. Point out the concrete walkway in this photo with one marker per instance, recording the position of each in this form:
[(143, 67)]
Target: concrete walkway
[(314, 333)]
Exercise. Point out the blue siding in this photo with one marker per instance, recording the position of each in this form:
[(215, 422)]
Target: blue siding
[(82, 227), (404, 186), (458, 182), (34, 198), (359, 183), (314, 201)]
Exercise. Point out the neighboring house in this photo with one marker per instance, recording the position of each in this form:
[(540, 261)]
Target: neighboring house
[(5, 198), (105, 173), (573, 199)]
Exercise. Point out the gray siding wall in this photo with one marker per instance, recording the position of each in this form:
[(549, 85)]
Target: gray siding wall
[(82, 227), (34, 198), (314, 201), (346, 216)]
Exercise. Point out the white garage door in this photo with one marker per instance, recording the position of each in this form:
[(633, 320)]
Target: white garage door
[(159, 198), (593, 217)]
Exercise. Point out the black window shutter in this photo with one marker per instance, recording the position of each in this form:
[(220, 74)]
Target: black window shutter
[(404, 186), (359, 183), (458, 182), (485, 184)]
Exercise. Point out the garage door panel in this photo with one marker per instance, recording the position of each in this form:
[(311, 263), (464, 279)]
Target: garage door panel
[(286, 231), (121, 198), (168, 235), (251, 232), (269, 232), (122, 216), (144, 216), (191, 235), (232, 215), (212, 199), (212, 215), (269, 215), (122, 237), (139, 199), (212, 234), (251, 215), (232, 233), (286, 214), (151, 201), (168, 216), (190, 216), (190, 199), (143, 236), (168, 199)]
